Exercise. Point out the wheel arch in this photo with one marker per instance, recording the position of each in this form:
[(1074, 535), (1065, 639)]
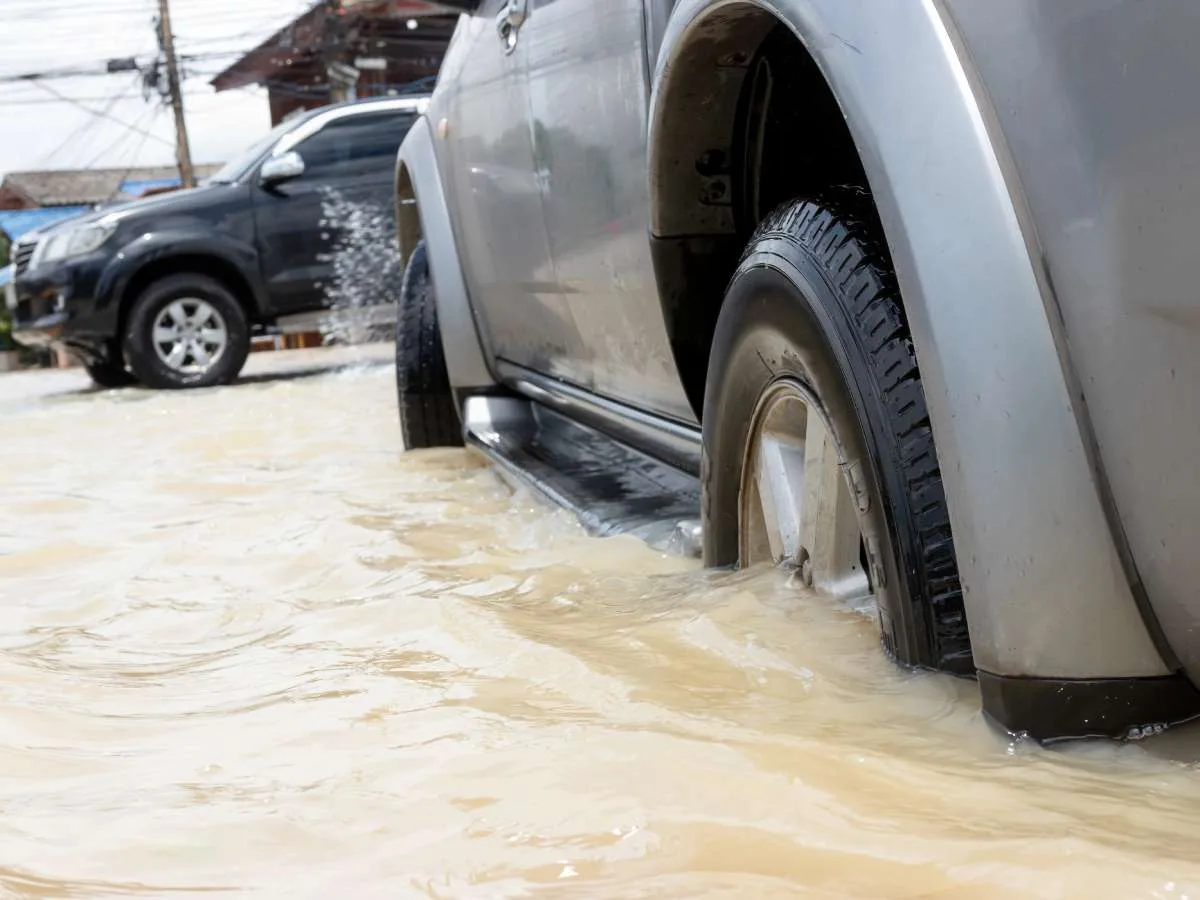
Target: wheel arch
[(422, 213), (1036, 555), (409, 231), (180, 258)]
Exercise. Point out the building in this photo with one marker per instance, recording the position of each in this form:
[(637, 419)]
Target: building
[(343, 49), (32, 200)]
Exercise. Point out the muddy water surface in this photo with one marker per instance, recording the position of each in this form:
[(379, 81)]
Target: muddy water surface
[(247, 648)]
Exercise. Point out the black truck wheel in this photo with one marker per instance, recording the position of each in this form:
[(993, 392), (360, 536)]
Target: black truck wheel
[(818, 451), (428, 414), (186, 331)]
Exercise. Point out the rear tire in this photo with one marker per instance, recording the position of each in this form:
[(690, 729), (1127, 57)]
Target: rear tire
[(428, 413), (815, 305), (210, 317)]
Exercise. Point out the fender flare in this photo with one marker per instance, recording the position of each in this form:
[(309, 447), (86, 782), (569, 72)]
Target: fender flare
[(1040, 567), (160, 245), (419, 183)]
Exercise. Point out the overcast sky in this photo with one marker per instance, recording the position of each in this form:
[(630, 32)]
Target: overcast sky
[(40, 131)]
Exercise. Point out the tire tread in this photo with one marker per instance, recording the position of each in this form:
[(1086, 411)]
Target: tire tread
[(842, 222), (428, 416)]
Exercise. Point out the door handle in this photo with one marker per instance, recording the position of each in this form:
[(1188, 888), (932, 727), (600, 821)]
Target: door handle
[(508, 23)]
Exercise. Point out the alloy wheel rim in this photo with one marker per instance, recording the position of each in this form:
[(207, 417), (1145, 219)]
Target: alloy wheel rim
[(798, 506), (189, 336)]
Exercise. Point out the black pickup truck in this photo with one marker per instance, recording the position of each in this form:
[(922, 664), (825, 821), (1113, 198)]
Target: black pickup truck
[(167, 290)]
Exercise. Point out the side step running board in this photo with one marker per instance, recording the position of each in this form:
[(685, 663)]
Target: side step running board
[(611, 487)]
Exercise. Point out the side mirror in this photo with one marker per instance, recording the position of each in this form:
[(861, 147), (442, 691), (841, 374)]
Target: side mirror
[(281, 168)]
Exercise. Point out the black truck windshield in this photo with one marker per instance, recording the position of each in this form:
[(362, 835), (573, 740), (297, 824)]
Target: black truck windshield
[(240, 165)]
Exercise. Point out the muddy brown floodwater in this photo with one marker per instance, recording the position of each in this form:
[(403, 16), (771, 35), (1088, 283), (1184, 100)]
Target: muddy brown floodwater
[(248, 648)]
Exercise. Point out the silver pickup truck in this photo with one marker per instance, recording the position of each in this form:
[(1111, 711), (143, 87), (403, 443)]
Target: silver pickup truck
[(900, 294)]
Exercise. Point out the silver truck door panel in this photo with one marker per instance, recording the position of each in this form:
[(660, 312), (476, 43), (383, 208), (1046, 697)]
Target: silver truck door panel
[(498, 208), (588, 97)]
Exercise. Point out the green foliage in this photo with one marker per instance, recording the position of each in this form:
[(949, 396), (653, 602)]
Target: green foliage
[(6, 341)]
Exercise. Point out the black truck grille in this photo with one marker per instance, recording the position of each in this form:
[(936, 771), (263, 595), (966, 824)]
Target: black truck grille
[(22, 254)]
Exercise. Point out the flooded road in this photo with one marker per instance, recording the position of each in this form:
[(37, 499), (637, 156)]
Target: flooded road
[(248, 648)]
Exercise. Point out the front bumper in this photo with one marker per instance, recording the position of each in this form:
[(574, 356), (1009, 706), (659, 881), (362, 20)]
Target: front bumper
[(43, 332), (60, 305)]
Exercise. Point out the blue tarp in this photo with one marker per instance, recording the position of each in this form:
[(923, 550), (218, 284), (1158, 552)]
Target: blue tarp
[(137, 187), (16, 222)]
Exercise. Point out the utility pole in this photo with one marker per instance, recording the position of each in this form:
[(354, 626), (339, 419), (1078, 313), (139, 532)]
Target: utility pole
[(183, 152), (342, 78)]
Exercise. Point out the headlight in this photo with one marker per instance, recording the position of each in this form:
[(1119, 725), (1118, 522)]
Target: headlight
[(72, 242)]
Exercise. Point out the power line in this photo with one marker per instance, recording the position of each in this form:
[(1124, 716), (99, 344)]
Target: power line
[(88, 124), (87, 109), (41, 14), (129, 12), (97, 67), (261, 26), (133, 163), (129, 95), (86, 70), (148, 117), (217, 32), (46, 74), (78, 6)]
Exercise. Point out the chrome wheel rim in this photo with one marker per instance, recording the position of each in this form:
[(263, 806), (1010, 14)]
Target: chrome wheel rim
[(189, 336), (798, 505)]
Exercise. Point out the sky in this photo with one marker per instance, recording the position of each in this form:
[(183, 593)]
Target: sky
[(39, 130)]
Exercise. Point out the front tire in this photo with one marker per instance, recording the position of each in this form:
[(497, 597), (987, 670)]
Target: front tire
[(186, 331), (109, 371), (818, 452), (428, 413)]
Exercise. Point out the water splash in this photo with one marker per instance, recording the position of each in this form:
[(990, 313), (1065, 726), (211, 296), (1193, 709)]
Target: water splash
[(365, 262)]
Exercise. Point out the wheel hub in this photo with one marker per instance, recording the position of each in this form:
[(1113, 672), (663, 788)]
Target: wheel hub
[(189, 335), (799, 504)]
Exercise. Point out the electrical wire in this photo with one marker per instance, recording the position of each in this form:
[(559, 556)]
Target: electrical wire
[(189, 16), (136, 153), (94, 112), (47, 74), (264, 29), (74, 6), (77, 134), (85, 70), (147, 119), (42, 101)]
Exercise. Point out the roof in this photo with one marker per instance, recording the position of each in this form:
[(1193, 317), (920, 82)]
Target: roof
[(73, 187), (367, 105)]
